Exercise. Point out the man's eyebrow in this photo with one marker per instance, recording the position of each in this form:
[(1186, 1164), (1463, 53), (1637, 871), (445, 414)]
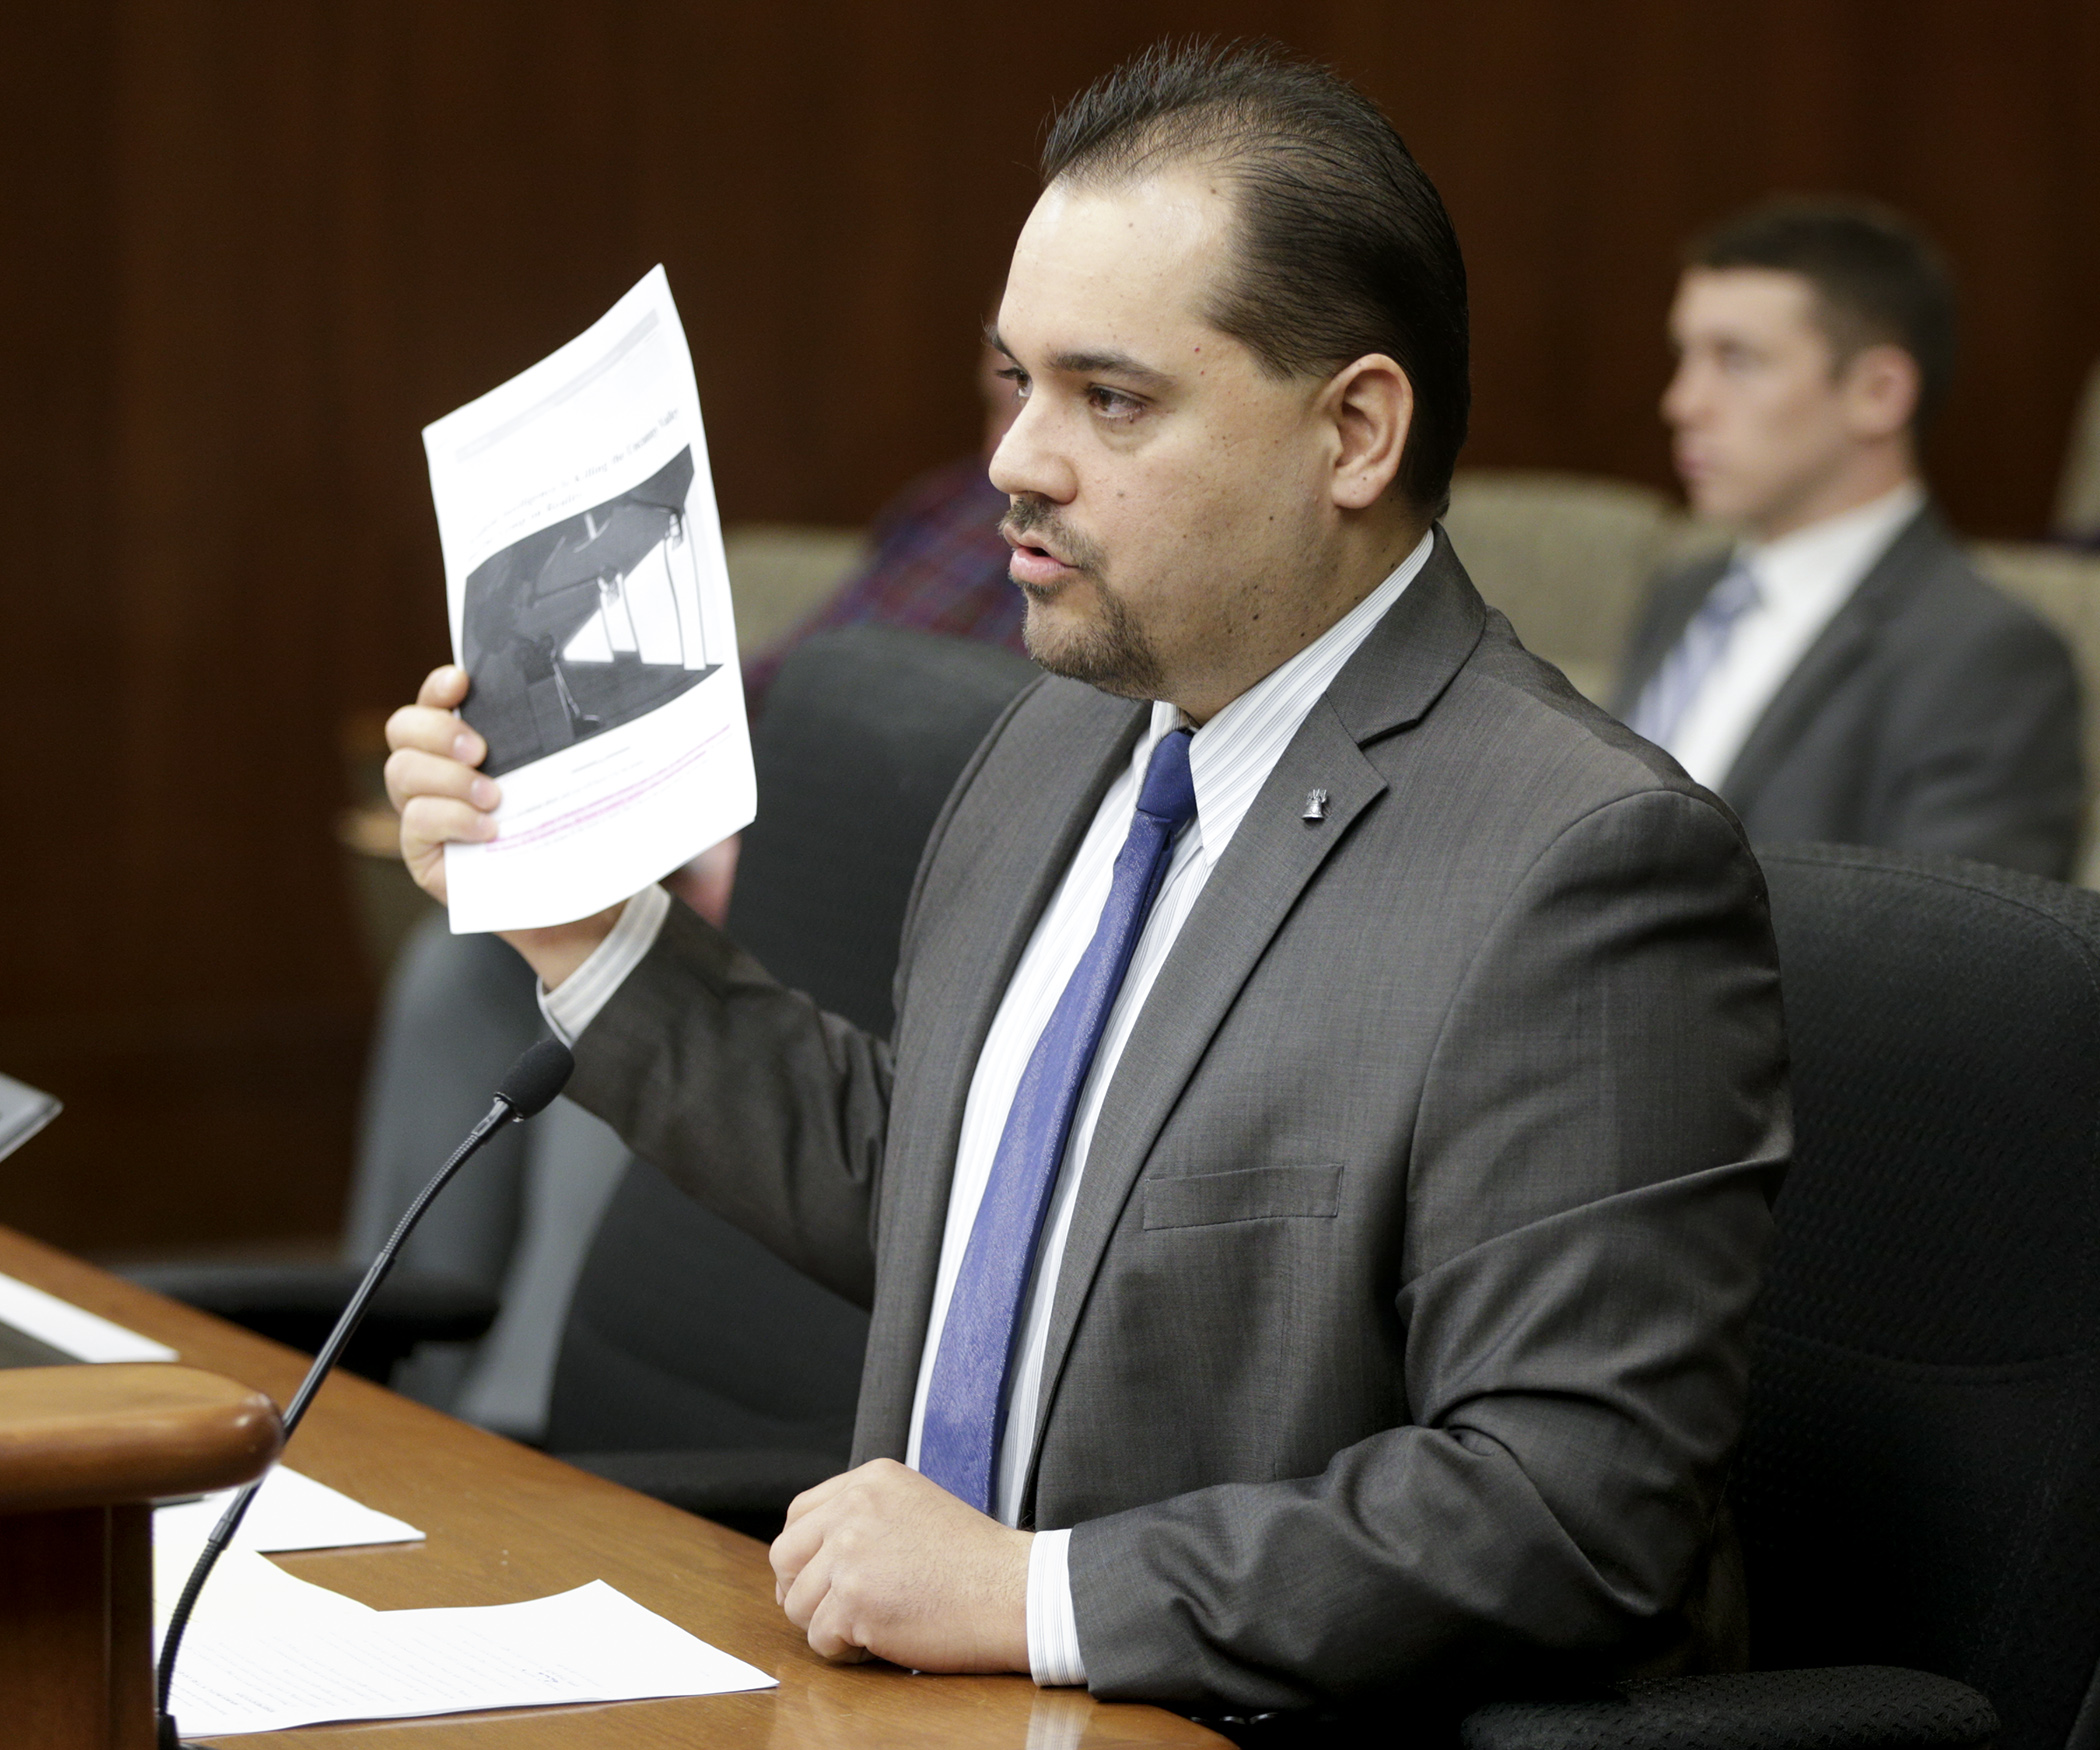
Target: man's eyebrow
[(1088, 364), (1107, 364)]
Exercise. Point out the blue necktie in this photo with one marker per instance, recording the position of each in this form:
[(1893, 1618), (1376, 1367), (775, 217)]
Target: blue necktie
[(1670, 692), (966, 1400)]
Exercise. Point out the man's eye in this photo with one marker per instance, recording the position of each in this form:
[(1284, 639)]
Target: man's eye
[(1018, 378), (1113, 403)]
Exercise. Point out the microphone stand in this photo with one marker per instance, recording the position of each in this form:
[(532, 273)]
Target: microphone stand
[(533, 1081)]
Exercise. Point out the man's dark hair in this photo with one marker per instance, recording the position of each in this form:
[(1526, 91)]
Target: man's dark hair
[(1343, 247), (1878, 280)]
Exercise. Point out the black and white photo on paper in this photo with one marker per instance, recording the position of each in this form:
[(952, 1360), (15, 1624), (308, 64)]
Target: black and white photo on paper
[(586, 624)]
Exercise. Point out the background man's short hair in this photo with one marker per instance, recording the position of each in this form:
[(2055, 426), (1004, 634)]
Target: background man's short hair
[(1878, 279), (1343, 244)]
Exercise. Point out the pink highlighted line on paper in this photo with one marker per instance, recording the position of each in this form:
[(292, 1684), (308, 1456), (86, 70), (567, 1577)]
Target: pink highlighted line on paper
[(577, 818)]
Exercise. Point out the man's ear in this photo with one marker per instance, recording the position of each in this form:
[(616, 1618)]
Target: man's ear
[(1372, 406), (1880, 387)]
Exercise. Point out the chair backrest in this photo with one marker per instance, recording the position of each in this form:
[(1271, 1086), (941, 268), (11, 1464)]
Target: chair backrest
[(865, 731), (2064, 588), (683, 1332), (2078, 493), (781, 573), (1920, 1479), (1568, 557)]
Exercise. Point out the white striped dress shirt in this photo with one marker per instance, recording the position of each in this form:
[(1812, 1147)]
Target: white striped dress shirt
[(1230, 758)]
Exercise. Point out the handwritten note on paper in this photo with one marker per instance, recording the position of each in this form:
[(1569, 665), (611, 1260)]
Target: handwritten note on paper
[(271, 1651), (590, 608)]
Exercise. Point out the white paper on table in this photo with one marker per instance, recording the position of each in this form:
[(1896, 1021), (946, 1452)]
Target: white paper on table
[(590, 607), (266, 1651), (290, 1511), (71, 1329)]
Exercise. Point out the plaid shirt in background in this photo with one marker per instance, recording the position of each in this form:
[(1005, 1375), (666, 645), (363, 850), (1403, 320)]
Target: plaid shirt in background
[(939, 565)]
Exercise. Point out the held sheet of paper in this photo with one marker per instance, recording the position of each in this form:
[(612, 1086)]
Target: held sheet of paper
[(590, 608)]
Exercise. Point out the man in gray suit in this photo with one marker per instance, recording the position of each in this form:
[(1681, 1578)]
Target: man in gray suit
[(1312, 1199), (1843, 673)]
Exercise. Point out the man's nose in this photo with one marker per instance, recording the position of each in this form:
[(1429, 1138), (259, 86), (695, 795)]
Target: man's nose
[(1029, 462), (1681, 398)]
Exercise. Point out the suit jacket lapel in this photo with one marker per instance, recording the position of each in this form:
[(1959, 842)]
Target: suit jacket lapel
[(1677, 599), (1397, 676), (958, 982), (1838, 649)]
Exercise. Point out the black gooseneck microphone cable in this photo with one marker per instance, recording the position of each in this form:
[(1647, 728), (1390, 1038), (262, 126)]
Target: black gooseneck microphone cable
[(527, 1087)]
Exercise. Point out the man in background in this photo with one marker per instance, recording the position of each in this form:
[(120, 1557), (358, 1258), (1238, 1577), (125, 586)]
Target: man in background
[(1843, 673)]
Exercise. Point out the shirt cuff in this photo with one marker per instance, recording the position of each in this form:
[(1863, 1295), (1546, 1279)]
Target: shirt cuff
[(1053, 1632), (574, 1003)]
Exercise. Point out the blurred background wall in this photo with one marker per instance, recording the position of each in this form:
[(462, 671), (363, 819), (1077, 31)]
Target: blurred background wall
[(253, 245)]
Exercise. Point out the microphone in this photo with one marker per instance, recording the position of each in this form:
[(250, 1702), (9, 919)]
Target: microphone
[(527, 1088)]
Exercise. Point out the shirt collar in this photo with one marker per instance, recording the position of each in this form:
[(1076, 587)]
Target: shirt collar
[(1834, 554), (1232, 755)]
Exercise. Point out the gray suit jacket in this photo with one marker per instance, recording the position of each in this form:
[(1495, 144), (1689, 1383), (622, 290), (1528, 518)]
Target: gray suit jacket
[(1399, 1339), (1932, 714)]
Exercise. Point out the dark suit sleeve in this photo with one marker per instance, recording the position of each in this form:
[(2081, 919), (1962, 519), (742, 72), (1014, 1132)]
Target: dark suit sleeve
[(1588, 1207), (1989, 751), (761, 1105)]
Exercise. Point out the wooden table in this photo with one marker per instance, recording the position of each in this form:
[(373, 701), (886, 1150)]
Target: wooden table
[(505, 1523)]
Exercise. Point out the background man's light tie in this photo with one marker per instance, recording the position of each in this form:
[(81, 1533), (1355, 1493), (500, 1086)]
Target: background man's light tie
[(1674, 687)]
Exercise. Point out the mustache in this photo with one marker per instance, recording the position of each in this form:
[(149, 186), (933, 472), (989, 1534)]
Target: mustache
[(1032, 522)]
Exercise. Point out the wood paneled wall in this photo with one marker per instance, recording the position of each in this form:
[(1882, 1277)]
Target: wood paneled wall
[(251, 248)]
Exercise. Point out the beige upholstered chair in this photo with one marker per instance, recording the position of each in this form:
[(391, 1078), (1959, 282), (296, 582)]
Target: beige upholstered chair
[(781, 572), (2078, 494), (1566, 556), (2064, 588)]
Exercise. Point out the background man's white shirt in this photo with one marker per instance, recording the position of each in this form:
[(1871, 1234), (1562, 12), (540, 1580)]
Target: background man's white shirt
[(1803, 579), (1230, 758)]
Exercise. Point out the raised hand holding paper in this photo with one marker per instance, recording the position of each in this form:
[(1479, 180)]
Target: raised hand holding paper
[(590, 608)]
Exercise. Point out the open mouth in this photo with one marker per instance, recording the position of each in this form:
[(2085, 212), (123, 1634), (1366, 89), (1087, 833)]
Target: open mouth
[(1036, 550), (1035, 565)]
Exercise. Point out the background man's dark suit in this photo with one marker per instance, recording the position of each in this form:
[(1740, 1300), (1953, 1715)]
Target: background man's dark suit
[(1931, 714), (1399, 1336)]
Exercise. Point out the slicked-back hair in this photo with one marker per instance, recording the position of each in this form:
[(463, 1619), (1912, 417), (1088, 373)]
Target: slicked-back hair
[(1877, 279), (1341, 245)]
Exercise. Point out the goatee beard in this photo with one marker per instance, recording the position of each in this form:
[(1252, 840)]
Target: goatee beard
[(1111, 651)]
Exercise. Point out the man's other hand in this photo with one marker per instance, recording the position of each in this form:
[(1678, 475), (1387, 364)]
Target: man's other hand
[(432, 782), (880, 1561)]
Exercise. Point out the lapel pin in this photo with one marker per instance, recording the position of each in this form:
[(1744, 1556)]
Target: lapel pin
[(1315, 805)]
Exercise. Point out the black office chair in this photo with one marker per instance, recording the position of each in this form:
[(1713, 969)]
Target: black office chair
[(300, 1303), (696, 1366), (1919, 1485)]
